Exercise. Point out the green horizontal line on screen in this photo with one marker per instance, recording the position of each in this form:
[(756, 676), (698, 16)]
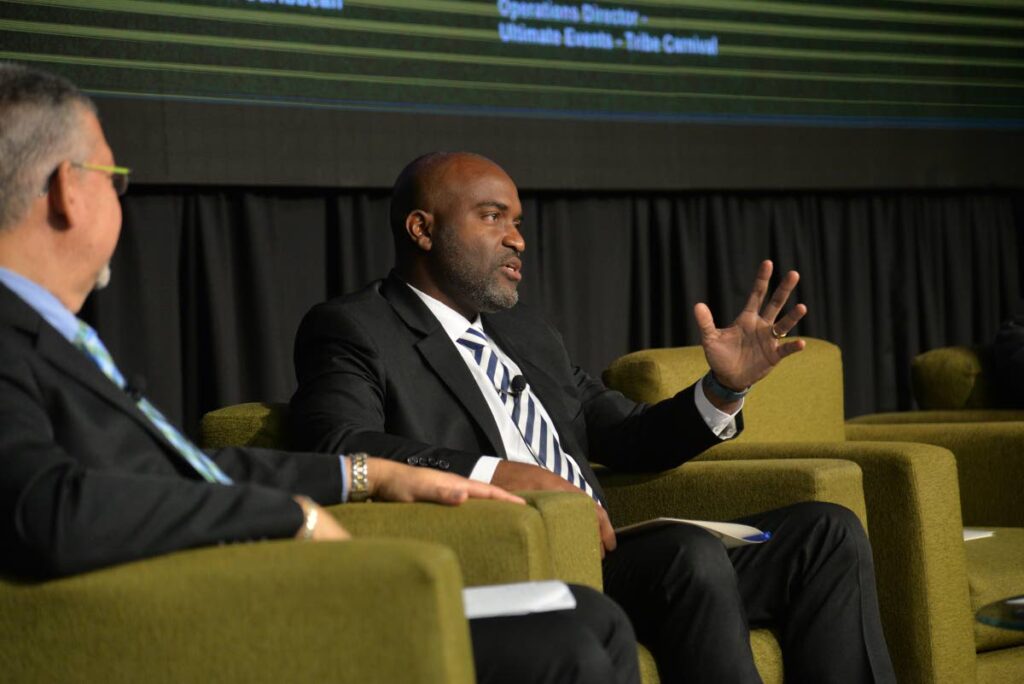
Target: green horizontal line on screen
[(105, 33), (466, 85), (173, 9), (576, 115), (787, 9)]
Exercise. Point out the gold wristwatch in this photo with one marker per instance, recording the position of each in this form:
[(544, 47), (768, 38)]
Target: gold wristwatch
[(359, 488)]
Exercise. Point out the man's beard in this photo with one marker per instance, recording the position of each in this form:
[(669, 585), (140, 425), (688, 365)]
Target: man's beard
[(102, 278), (481, 287)]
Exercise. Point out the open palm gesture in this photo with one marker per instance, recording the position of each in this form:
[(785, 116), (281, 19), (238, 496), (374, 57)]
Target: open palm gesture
[(747, 350)]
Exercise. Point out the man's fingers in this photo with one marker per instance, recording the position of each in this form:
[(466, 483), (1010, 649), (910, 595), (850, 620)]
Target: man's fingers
[(779, 297), (705, 321), (471, 489), (604, 524), (785, 325), (789, 348), (479, 490), (760, 289)]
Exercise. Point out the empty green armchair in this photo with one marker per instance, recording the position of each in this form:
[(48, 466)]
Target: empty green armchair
[(951, 385), (365, 611), (928, 582)]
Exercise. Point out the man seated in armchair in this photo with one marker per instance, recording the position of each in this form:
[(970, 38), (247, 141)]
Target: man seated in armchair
[(92, 474), (437, 366)]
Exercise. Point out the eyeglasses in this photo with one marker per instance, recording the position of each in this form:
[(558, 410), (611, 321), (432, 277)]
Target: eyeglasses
[(118, 174)]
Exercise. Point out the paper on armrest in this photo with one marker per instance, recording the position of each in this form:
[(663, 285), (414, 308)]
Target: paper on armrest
[(731, 534), (521, 598), (972, 533)]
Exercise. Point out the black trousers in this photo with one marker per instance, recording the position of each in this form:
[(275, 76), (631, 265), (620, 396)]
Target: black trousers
[(692, 602), (592, 644)]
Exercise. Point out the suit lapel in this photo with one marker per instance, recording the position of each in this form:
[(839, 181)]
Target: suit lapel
[(544, 387), (52, 346), (444, 359)]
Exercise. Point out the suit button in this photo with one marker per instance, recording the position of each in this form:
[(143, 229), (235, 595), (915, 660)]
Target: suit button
[(445, 465), (432, 462), (413, 460)]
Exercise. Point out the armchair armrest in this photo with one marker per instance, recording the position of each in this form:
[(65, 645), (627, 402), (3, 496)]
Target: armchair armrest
[(269, 611), (939, 416), (494, 541), (914, 519), (988, 461), (571, 525), (725, 490)]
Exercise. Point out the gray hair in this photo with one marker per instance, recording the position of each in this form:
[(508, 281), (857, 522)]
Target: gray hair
[(40, 126)]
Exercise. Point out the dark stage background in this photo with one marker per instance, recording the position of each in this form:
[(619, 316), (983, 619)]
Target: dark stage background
[(210, 284)]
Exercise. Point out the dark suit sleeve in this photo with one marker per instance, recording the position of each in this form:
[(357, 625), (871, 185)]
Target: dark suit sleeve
[(632, 437), (628, 436), (342, 403), (60, 516)]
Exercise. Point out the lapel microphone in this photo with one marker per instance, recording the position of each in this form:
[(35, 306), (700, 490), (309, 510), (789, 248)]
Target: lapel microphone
[(135, 387), (515, 388)]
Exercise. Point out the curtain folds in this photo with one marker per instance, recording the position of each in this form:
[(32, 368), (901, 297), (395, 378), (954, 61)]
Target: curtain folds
[(210, 284)]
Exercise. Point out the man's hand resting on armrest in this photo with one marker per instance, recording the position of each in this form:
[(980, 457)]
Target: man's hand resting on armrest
[(391, 481), (526, 477)]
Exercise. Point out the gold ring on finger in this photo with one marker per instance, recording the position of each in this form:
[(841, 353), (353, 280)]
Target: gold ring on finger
[(776, 334)]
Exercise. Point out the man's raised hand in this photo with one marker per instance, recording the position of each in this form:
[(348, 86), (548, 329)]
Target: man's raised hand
[(747, 350)]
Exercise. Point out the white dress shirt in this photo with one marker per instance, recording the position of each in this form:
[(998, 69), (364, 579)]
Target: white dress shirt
[(455, 325)]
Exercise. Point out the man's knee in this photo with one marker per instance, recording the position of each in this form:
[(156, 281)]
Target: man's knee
[(836, 527), (696, 561), (832, 517)]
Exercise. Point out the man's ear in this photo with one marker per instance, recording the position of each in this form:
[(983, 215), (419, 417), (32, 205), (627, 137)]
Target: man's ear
[(62, 197), (419, 226)]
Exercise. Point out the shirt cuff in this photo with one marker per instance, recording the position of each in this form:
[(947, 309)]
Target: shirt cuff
[(484, 469), (343, 462), (719, 422)]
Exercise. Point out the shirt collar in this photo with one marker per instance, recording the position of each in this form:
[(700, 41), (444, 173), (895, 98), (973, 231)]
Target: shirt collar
[(43, 301), (452, 321)]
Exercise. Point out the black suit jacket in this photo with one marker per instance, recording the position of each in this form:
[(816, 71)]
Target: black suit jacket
[(86, 480), (378, 373)]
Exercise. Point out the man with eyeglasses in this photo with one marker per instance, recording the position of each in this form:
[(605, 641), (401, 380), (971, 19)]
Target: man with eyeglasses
[(91, 474)]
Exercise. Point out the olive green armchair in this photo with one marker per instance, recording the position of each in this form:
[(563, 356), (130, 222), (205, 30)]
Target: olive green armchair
[(556, 535), (929, 581), (283, 611), (951, 385)]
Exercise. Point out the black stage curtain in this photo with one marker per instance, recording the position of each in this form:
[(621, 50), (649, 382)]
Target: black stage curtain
[(210, 284)]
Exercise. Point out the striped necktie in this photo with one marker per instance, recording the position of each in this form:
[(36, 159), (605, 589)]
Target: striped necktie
[(89, 342), (528, 415)]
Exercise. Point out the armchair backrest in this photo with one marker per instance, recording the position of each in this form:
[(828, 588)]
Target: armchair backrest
[(255, 424), (953, 378), (800, 401)]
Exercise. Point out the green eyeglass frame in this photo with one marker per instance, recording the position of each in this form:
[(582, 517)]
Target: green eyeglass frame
[(118, 175)]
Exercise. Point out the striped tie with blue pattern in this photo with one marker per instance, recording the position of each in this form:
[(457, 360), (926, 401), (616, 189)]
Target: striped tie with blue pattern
[(89, 342), (528, 415)]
